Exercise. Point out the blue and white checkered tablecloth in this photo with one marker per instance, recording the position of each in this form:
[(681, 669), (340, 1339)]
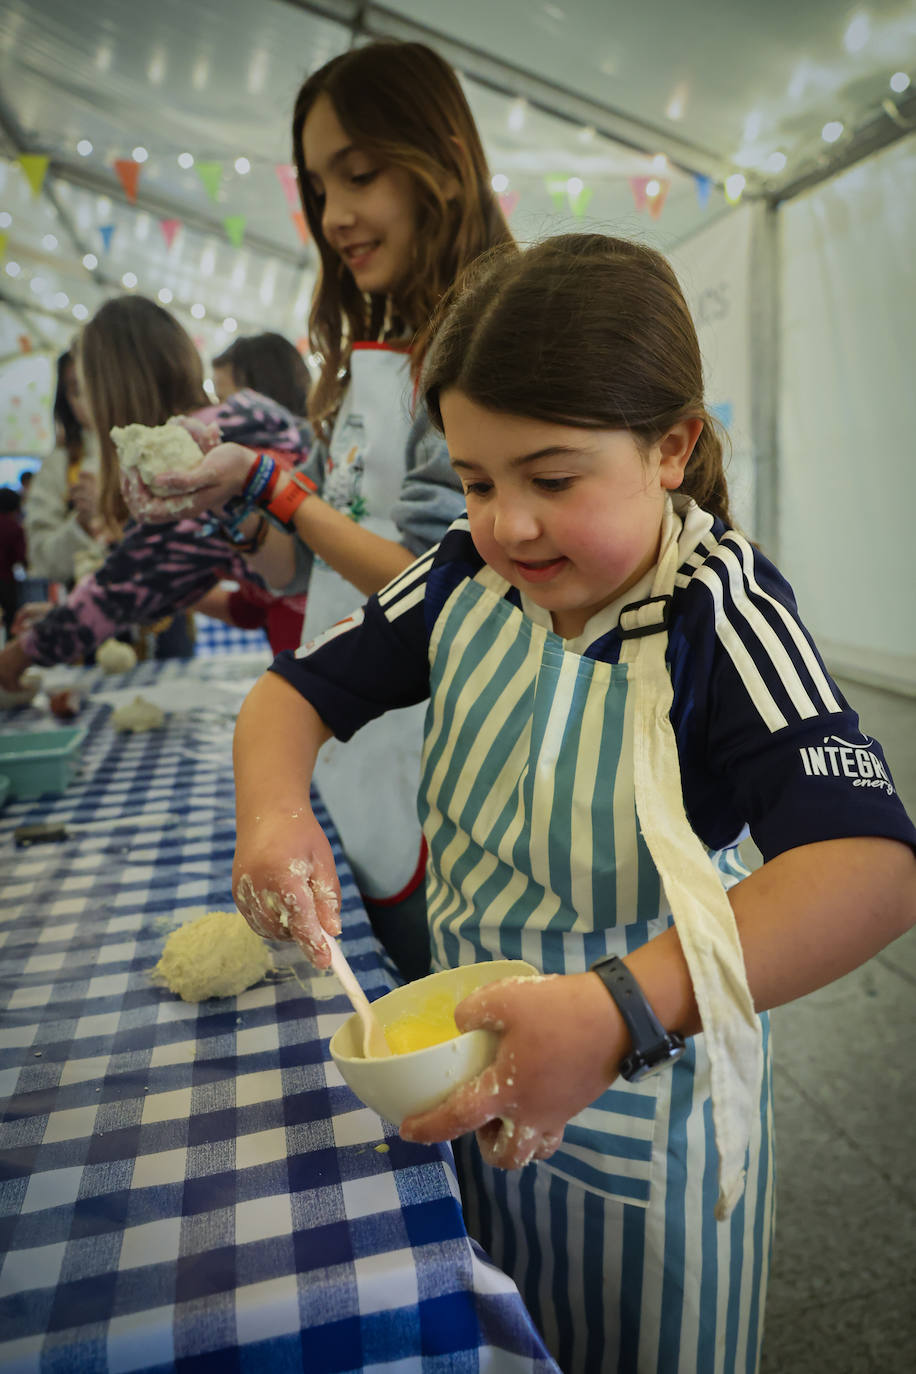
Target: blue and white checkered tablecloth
[(216, 637), (192, 1187)]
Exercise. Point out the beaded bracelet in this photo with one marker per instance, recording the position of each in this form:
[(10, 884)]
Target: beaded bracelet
[(259, 484), (261, 479), (256, 540)]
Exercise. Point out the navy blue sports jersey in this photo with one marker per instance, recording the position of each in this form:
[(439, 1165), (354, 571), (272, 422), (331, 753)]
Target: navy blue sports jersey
[(765, 738)]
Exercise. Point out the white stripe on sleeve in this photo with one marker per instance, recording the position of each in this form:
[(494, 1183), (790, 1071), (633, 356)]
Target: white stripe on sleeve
[(806, 653)]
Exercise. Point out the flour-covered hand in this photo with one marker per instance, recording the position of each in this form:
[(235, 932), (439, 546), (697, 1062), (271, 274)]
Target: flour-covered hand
[(205, 436), (285, 883), (218, 477), (560, 1048)]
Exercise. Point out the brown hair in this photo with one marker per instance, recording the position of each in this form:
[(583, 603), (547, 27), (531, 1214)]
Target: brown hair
[(139, 366), (401, 103), (70, 427), (583, 330), (271, 365)]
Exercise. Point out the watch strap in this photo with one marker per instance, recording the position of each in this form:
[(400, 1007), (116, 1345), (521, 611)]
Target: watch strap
[(642, 1023), (282, 505)]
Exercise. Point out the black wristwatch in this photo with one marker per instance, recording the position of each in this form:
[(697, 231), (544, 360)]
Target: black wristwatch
[(654, 1048)]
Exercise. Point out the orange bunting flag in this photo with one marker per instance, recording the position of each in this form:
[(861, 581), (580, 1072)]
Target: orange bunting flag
[(211, 174), (658, 200), (35, 165), (286, 173), (302, 228), (234, 226), (507, 202), (169, 229), (128, 174)]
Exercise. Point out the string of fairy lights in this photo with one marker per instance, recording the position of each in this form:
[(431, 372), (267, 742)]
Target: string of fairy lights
[(569, 193)]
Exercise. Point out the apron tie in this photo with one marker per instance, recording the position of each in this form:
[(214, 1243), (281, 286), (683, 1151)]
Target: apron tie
[(702, 913)]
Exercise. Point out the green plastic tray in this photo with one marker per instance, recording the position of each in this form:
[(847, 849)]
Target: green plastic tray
[(42, 761)]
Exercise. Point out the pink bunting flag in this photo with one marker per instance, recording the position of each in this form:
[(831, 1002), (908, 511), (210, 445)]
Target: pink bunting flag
[(638, 187), (286, 173), (169, 229), (508, 200)]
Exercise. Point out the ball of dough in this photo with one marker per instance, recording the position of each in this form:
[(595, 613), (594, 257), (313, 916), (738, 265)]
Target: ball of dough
[(217, 955), (156, 449), (113, 656), (138, 715), (153, 450)]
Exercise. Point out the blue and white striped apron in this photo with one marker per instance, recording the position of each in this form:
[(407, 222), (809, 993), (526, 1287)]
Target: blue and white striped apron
[(536, 852)]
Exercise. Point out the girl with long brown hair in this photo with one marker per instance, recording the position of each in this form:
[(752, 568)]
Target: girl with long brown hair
[(618, 685), (397, 196), (138, 365), (65, 531)]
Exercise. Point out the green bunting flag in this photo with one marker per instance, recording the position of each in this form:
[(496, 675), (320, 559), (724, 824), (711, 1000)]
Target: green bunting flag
[(211, 174), (234, 226)]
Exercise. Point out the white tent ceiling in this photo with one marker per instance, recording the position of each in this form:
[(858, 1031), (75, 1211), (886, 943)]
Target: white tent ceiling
[(589, 89)]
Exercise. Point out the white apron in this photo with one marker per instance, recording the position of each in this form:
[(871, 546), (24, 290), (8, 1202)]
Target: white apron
[(363, 479)]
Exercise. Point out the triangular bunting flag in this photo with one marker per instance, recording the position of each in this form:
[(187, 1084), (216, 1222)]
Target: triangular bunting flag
[(35, 165), (106, 231), (211, 174), (579, 204), (638, 187), (128, 174), (657, 201), (290, 183), (169, 229), (234, 226), (556, 189), (507, 202), (4, 240), (704, 186), (302, 228)]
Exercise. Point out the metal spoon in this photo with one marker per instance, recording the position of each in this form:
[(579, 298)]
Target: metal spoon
[(375, 1046)]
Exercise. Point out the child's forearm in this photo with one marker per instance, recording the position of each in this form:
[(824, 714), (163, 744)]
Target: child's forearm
[(805, 919), (277, 738), (275, 561), (365, 559)]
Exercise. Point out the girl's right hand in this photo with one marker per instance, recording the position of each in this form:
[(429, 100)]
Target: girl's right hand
[(13, 663), (285, 883), (29, 615), (220, 475)]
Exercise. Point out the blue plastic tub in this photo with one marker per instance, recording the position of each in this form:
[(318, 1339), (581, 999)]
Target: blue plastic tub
[(41, 761)]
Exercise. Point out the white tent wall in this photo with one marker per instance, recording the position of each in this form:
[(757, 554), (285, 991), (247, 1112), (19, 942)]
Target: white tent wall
[(805, 317), (847, 411), (714, 269)]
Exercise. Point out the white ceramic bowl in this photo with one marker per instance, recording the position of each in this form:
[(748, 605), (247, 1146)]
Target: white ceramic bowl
[(415, 1082)]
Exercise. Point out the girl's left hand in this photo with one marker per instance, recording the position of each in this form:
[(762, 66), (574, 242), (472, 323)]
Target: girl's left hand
[(220, 475), (13, 663), (562, 1042)]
